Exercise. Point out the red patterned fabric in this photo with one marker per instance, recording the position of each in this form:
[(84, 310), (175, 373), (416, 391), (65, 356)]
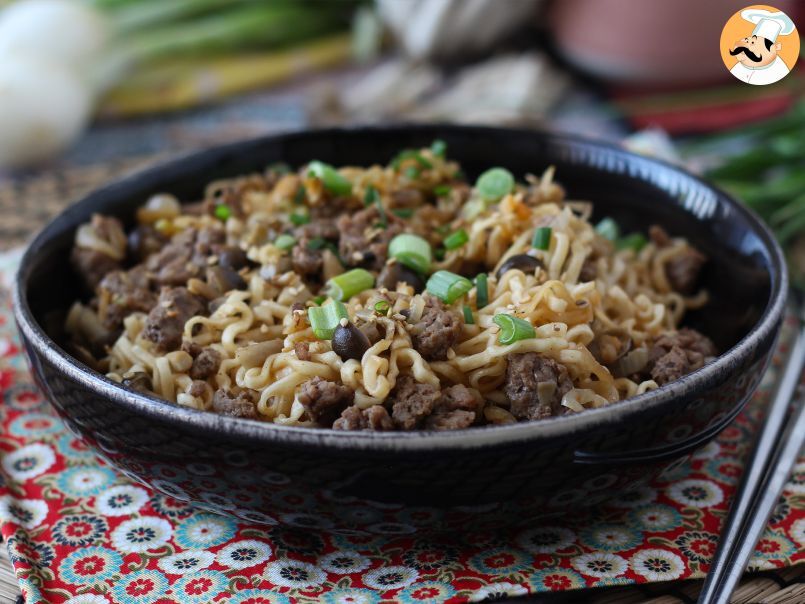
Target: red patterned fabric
[(79, 532)]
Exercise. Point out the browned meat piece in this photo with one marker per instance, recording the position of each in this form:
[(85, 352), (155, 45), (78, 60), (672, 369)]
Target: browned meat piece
[(186, 255), (324, 400), (363, 242), (306, 262), (658, 235), (456, 409), (436, 331), (166, 320), (121, 293), (535, 385), (324, 228), (413, 402), (676, 354), (206, 364), (588, 272), (191, 348), (143, 241), (198, 388), (407, 198), (302, 350), (354, 418), (235, 405), (683, 270), (92, 265)]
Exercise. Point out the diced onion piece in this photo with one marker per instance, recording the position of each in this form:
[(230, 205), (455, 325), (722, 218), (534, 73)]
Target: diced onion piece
[(348, 284), (412, 251), (632, 361), (447, 286), (324, 319), (513, 329), (254, 355), (331, 178)]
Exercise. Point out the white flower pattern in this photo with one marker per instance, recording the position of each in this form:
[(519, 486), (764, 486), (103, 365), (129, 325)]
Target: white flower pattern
[(29, 461), (244, 554), (188, 561), (28, 513), (141, 534), (657, 564), (121, 500), (293, 573)]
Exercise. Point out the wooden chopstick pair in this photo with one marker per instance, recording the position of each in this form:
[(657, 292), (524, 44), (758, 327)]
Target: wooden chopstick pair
[(777, 449)]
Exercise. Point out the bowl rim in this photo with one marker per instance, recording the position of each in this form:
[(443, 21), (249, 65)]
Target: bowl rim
[(247, 430)]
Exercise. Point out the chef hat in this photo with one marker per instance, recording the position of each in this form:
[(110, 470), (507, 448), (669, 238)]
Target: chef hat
[(769, 24)]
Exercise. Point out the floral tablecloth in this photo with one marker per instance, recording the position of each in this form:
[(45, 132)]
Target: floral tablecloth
[(79, 532)]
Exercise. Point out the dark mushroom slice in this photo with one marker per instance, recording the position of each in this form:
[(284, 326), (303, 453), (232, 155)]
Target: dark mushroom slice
[(349, 342), (232, 257), (394, 273), (224, 279), (523, 262)]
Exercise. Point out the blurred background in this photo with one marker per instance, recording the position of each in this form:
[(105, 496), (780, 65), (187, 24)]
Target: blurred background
[(92, 88)]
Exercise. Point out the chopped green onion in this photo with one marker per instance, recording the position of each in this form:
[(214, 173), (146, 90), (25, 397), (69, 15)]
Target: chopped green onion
[(403, 212), (300, 218), (346, 285), (447, 286), (635, 242), (370, 196), (442, 190), (542, 238), (474, 207), (223, 212), (438, 148), (495, 184), (513, 329), (324, 319), (439, 253), (456, 240), (608, 229), (331, 178), (279, 167), (443, 229), (319, 300), (299, 197), (317, 243), (412, 251), (284, 242), (468, 318), (382, 307), (481, 291), (411, 173), (411, 154)]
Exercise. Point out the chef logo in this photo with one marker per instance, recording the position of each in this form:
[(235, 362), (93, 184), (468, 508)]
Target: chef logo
[(759, 45)]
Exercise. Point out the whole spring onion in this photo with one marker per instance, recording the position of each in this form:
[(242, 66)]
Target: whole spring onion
[(456, 239), (513, 329), (348, 284), (331, 178), (324, 319), (447, 286), (412, 251), (284, 242), (481, 290), (542, 238), (608, 229), (494, 184)]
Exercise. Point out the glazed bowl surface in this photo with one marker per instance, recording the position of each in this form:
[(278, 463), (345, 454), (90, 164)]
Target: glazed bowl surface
[(400, 482)]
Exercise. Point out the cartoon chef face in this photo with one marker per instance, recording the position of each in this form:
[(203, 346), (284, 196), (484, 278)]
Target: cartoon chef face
[(755, 51)]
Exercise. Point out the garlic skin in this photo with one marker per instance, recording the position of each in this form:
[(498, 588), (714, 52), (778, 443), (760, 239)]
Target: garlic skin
[(44, 107)]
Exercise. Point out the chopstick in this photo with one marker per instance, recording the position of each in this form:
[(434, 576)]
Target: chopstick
[(770, 464)]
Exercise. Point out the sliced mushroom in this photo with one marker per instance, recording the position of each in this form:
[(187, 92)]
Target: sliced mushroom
[(396, 272), (523, 262), (224, 279)]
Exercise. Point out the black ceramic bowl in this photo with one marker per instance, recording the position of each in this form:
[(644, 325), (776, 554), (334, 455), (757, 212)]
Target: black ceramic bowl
[(401, 482)]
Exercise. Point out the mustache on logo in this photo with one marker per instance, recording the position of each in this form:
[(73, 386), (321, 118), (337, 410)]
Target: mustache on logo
[(743, 49)]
